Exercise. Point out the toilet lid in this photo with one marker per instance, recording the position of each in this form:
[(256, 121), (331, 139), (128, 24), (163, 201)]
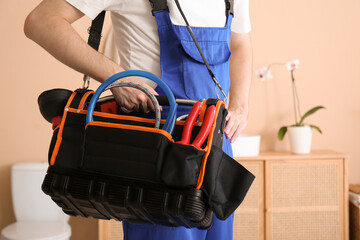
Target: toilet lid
[(37, 231)]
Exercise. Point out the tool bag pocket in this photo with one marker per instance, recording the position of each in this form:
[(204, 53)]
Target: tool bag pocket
[(182, 166), (225, 184), (140, 152), (117, 149)]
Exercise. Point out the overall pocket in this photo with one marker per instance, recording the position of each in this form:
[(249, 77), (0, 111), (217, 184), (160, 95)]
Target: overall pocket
[(197, 80)]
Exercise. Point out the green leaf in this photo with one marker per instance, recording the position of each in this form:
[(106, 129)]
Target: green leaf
[(316, 127), (311, 111), (282, 132)]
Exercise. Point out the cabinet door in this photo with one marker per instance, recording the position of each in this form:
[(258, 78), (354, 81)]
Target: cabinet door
[(249, 217), (304, 199)]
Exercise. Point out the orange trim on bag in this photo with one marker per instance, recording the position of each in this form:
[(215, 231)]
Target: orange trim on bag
[(122, 117), (58, 126), (209, 143), (115, 116), (59, 137), (124, 126), (202, 149), (83, 99)]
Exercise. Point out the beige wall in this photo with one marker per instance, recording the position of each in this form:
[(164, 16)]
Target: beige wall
[(27, 70), (324, 35)]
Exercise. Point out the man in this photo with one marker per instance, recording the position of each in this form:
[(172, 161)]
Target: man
[(138, 42)]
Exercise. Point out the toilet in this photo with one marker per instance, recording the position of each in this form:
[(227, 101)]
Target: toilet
[(37, 216)]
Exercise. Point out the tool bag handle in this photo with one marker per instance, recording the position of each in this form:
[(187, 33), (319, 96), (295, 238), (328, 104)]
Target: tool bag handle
[(171, 118)]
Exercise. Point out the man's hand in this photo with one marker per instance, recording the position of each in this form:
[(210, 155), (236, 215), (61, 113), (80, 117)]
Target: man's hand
[(236, 123), (132, 99)]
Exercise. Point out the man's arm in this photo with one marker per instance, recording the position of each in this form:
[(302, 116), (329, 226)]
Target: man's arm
[(49, 25), (240, 77)]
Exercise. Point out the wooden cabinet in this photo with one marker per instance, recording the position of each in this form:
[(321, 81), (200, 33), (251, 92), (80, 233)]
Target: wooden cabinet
[(304, 197), (249, 217), (294, 197)]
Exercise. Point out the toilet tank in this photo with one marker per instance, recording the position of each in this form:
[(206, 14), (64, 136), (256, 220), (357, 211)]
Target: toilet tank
[(29, 202)]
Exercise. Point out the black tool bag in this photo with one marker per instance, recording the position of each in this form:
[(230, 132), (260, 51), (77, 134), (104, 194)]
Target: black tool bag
[(120, 167)]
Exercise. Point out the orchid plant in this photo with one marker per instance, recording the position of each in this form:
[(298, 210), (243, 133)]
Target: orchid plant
[(265, 74)]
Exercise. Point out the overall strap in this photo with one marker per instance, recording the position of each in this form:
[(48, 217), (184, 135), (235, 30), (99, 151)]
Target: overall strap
[(229, 7), (158, 6)]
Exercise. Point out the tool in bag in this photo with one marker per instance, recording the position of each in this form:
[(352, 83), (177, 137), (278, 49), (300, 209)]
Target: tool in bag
[(111, 166)]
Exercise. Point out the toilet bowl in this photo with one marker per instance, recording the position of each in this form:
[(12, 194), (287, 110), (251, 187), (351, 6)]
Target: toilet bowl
[(38, 217), (36, 231)]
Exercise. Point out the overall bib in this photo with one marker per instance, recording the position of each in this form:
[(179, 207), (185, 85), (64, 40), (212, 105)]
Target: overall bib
[(183, 69)]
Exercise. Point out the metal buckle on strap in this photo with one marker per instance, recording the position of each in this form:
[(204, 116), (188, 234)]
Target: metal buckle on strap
[(153, 11), (86, 82), (228, 7), (217, 84)]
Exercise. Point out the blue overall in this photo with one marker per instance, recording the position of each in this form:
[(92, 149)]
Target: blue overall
[(183, 69)]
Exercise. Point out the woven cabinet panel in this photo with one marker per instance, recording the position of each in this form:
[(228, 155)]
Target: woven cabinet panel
[(305, 185), (321, 225), (251, 200), (246, 226), (248, 220), (304, 200), (112, 230)]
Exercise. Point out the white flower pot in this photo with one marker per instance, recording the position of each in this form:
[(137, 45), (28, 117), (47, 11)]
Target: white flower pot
[(300, 139)]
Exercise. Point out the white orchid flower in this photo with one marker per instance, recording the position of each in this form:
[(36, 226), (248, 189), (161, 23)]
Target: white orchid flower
[(292, 65), (263, 73)]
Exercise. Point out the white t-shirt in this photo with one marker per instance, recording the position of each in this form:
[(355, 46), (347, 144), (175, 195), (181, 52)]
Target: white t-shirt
[(135, 28)]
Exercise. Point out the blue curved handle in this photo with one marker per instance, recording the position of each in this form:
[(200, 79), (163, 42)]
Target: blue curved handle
[(171, 118)]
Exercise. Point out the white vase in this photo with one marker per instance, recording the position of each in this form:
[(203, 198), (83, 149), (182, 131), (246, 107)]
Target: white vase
[(300, 139)]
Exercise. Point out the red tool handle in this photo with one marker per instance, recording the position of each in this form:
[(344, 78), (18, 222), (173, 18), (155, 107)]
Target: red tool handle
[(205, 129), (110, 107), (56, 121), (186, 133)]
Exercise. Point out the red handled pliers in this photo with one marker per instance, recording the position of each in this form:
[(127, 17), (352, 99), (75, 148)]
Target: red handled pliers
[(205, 128)]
